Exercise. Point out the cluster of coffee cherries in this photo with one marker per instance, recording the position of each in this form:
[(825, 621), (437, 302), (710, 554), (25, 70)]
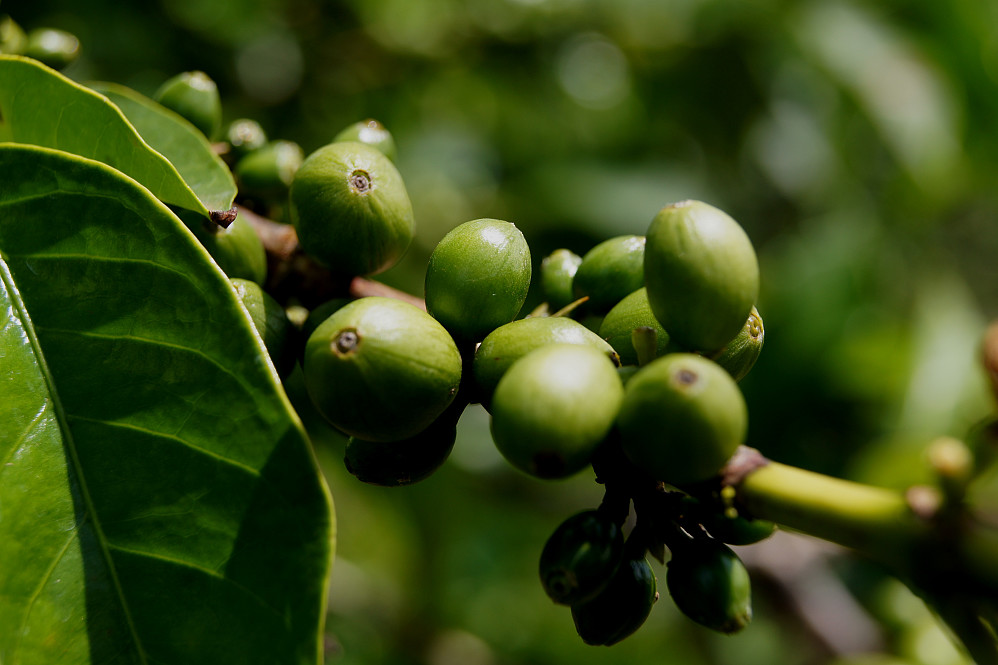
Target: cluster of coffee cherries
[(630, 367)]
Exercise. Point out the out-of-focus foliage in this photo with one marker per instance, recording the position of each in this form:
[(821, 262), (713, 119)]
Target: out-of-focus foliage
[(853, 140)]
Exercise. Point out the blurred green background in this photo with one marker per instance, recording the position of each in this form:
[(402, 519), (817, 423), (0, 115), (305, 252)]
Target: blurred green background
[(855, 141)]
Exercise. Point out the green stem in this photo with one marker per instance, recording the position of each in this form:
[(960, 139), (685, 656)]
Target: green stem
[(924, 550)]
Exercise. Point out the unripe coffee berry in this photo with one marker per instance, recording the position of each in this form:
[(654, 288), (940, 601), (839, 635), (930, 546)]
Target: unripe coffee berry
[(351, 209), (682, 417), (381, 369), (554, 407), (701, 273), (477, 278)]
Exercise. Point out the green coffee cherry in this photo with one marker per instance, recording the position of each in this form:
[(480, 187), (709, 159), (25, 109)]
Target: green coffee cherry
[(194, 96), (609, 271), (477, 278), (682, 417), (504, 345), (710, 585), (55, 48), (618, 326), (702, 275), (371, 132), (237, 250), (581, 556), (400, 463), (245, 135), (351, 209), (381, 369), (620, 608), (267, 172), (740, 354), (553, 408), (12, 38), (557, 272), (271, 322), (315, 317)]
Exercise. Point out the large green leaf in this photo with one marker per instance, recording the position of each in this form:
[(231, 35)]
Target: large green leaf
[(179, 141), (159, 502), (42, 107)]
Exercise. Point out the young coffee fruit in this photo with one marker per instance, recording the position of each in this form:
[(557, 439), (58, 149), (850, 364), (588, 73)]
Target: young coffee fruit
[(553, 408), (267, 172), (620, 608), (557, 272), (581, 556), (400, 463), (609, 271), (237, 250), (740, 354), (244, 135), (477, 278), (55, 48), (507, 343), (710, 585), (618, 326), (271, 322), (371, 132), (194, 96), (12, 37), (381, 369), (682, 417), (315, 318), (701, 273), (351, 209)]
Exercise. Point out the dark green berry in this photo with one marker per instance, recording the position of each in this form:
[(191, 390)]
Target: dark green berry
[(400, 463), (710, 585), (620, 608), (581, 556)]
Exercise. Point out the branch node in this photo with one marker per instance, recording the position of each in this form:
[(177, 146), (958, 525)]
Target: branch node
[(742, 463)]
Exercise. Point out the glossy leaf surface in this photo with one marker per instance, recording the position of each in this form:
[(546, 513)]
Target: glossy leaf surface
[(158, 499), (41, 107), (179, 141)]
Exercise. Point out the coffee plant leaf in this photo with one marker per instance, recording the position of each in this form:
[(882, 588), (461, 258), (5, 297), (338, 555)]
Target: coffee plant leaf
[(179, 141), (40, 106), (159, 502)]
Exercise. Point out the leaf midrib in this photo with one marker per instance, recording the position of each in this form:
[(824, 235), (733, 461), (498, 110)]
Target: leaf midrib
[(8, 280)]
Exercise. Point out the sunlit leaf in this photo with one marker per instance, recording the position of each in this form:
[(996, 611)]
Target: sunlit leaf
[(41, 107), (177, 140), (158, 499)]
